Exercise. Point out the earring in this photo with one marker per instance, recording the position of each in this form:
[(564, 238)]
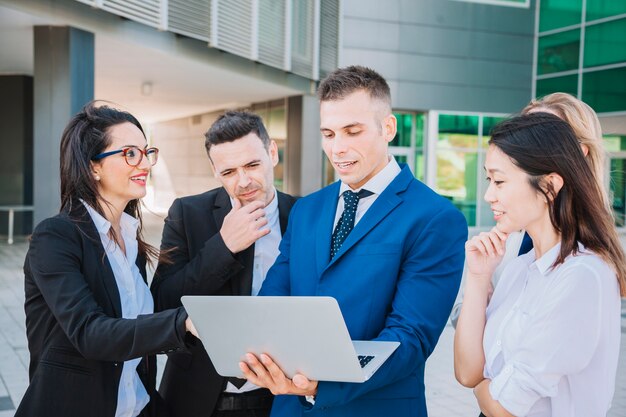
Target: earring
[(97, 177)]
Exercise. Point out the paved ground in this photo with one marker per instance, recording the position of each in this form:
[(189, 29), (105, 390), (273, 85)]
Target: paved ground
[(445, 397)]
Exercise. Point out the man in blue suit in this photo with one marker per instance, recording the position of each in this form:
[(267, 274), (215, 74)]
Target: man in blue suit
[(387, 247)]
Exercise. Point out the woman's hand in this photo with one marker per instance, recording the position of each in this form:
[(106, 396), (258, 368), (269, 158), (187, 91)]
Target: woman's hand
[(484, 253), (191, 328)]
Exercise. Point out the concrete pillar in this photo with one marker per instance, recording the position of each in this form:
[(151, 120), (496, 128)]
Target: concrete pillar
[(64, 82), (303, 168), (16, 141)]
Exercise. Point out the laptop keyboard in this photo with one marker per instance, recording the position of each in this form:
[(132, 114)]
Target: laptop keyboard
[(364, 360)]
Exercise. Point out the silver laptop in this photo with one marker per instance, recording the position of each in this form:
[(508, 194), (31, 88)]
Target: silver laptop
[(305, 335)]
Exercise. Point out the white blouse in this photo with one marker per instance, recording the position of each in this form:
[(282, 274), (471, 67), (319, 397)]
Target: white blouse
[(135, 299), (552, 336)]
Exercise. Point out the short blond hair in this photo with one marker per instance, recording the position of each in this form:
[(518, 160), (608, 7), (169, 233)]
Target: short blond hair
[(586, 126)]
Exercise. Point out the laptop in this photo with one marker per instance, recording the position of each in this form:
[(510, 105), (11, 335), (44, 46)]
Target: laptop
[(305, 335)]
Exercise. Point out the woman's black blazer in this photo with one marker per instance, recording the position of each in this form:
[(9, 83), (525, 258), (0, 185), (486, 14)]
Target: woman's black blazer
[(76, 336)]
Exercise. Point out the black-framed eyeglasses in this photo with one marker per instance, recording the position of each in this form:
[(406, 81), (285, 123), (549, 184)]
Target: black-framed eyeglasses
[(133, 155)]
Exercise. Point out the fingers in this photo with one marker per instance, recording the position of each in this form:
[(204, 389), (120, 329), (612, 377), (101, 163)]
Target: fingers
[(190, 327), (488, 243), (301, 381), (266, 373)]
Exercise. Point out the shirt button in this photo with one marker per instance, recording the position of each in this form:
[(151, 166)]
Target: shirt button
[(498, 342)]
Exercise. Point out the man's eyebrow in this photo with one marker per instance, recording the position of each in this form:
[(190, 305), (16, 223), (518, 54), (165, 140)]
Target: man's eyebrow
[(254, 161), (348, 126)]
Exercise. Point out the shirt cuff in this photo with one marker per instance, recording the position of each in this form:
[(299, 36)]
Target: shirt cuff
[(508, 389)]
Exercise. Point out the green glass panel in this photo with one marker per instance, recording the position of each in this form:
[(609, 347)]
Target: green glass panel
[(567, 84), (605, 91), (420, 165), (401, 159), (456, 180), (488, 123), (605, 43), (598, 9), (618, 190), (458, 131), (614, 143), (419, 129), (556, 14), (558, 52), (403, 135)]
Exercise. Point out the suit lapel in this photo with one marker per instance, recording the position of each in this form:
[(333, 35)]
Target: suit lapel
[(86, 224), (384, 204), (221, 208), (283, 212), (324, 229)]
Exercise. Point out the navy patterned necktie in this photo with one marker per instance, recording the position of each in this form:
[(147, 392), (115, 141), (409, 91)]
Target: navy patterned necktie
[(346, 221)]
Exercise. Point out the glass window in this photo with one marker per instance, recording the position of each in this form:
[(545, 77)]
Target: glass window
[(614, 143), (458, 131), (420, 119), (605, 91), (558, 52), (456, 180), (401, 159), (420, 165), (457, 157), (407, 146), (567, 84), (605, 43), (405, 125), (598, 9), (617, 190), (488, 124), (556, 14)]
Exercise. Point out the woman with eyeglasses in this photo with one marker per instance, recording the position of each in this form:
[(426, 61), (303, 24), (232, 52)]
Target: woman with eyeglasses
[(92, 333)]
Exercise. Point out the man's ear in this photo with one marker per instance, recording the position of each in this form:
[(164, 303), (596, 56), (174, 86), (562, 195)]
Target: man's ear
[(390, 127), (273, 152)]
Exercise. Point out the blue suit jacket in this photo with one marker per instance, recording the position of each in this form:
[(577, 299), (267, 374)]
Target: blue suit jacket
[(395, 278)]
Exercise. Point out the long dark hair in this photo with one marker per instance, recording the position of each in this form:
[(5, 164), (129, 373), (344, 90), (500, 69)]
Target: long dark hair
[(85, 136), (541, 144)]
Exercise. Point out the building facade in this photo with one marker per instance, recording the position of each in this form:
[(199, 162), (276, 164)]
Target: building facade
[(455, 67)]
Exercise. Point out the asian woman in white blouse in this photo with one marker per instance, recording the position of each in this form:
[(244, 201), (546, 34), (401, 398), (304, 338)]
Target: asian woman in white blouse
[(546, 342)]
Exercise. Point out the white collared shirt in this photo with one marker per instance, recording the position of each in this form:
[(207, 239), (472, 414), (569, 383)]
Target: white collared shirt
[(135, 299), (376, 185), (552, 336), (265, 253)]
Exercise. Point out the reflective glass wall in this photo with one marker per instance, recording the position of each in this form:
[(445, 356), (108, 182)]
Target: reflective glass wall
[(460, 148), (581, 49)]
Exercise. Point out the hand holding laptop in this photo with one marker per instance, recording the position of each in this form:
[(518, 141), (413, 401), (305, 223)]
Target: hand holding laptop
[(264, 372)]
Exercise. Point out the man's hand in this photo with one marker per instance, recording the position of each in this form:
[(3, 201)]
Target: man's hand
[(265, 373), (243, 226)]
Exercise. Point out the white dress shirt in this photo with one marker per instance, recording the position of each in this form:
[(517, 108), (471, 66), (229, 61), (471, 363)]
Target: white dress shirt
[(265, 254), (135, 299), (376, 185), (552, 336)]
